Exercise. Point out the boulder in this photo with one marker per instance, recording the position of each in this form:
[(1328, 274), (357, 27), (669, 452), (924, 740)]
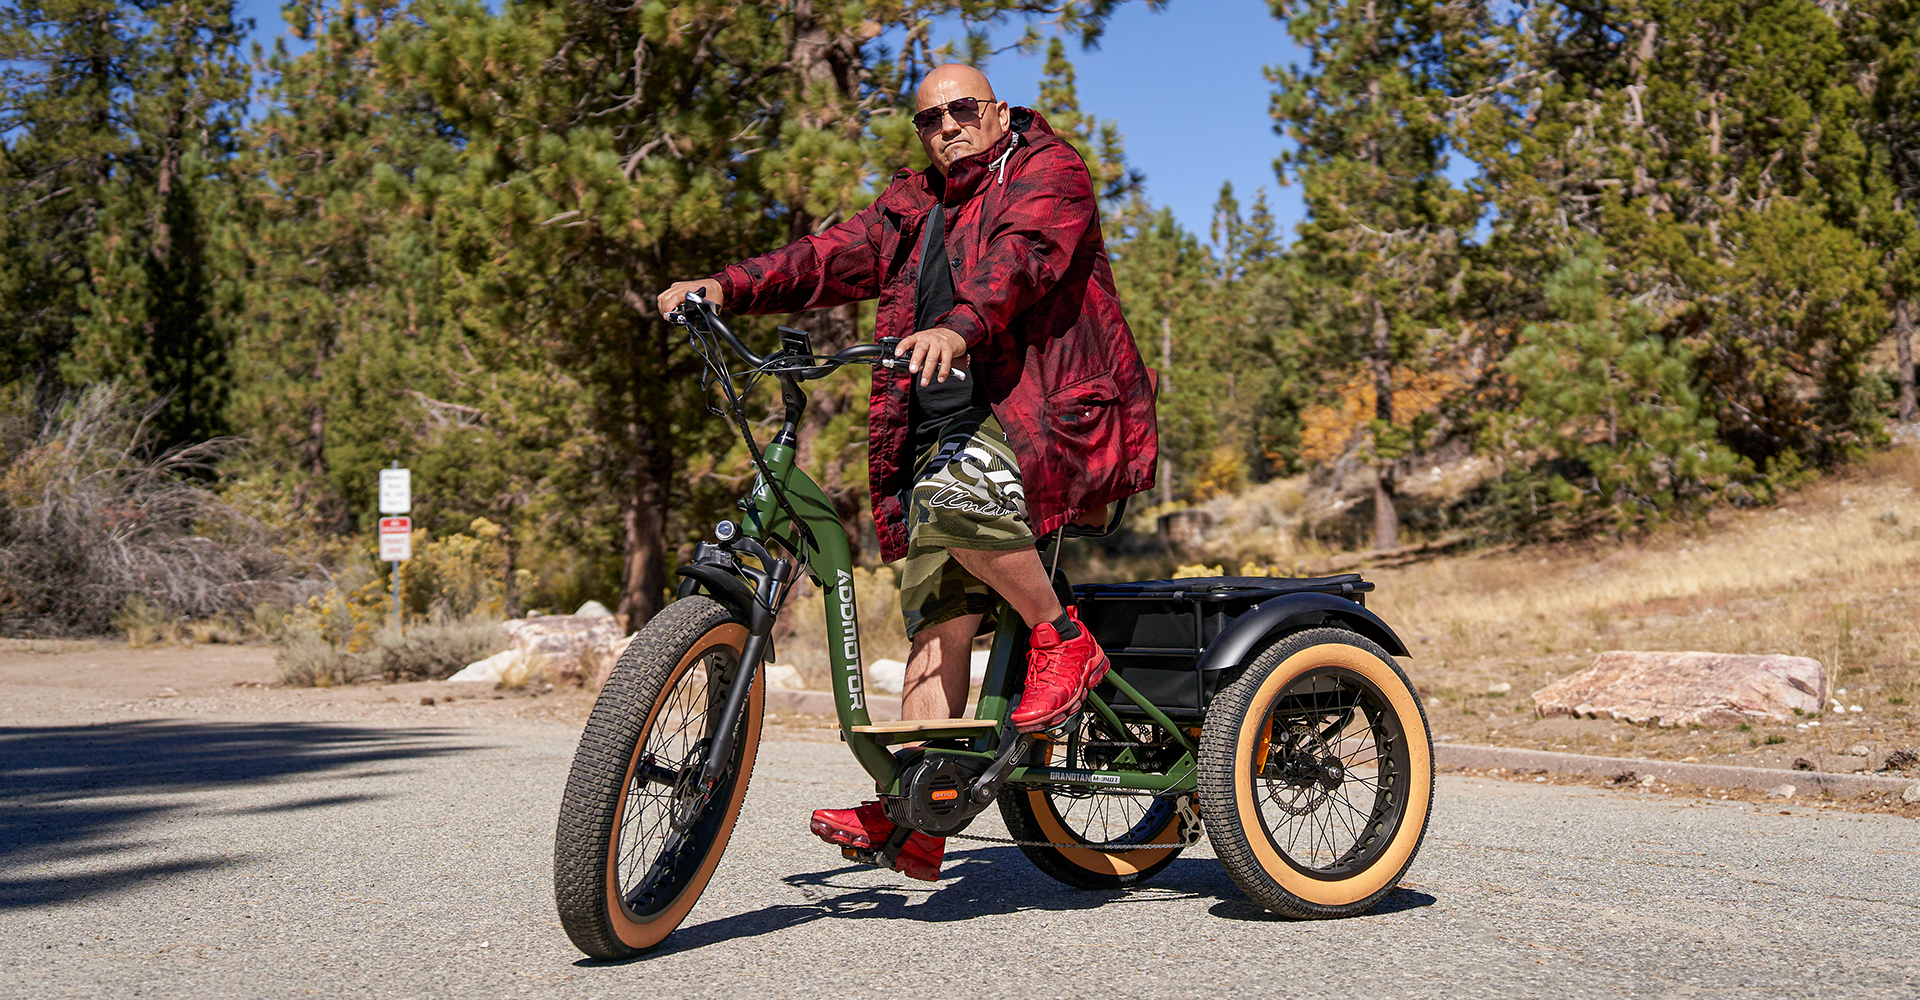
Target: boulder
[(1680, 689), (499, 668), (785, 677), (887, 675), (564, 649)]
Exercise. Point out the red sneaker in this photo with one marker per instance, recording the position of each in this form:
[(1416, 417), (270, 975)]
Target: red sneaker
[(1059, 674), (866, 827)]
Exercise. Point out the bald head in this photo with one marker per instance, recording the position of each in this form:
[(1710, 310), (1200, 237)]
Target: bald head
[(947, 82), (952, 138)]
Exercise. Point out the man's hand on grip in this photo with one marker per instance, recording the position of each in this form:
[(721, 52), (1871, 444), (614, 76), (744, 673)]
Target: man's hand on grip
[(676, 293), (933, 353)]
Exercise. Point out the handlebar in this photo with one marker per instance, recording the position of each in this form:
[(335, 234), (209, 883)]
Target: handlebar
[(783, 363)]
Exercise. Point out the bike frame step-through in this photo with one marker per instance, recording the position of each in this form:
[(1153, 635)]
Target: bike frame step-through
[(787, 511)]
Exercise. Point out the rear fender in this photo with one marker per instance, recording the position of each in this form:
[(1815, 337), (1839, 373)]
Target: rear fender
[(1293, 613)]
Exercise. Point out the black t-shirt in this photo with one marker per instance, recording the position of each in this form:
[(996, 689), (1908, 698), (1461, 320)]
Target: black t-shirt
[(938, 407)]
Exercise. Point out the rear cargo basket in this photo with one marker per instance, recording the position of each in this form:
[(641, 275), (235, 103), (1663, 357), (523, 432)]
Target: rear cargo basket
[(1154, 631)]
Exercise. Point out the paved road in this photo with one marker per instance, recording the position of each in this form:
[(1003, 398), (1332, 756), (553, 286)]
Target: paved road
[(224, 859)]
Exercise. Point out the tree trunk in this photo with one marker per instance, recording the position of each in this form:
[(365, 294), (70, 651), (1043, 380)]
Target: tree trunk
[(509, 585), (1903, 356), (827, 63), (1386, 517), (650, 473), (644, 518), (1166, 389)]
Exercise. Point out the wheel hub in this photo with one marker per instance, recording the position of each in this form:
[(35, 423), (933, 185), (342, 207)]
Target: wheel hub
[(1306, 769)]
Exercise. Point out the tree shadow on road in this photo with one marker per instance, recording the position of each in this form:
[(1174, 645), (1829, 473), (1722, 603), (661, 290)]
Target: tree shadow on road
[(100, 795), (977, 883)]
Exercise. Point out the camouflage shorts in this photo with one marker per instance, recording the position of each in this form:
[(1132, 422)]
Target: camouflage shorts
[(966, 495)]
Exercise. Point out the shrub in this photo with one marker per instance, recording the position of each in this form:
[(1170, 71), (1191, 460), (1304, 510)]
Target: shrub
[(306, 660), (456, 576), (436, 648), (91, 517)]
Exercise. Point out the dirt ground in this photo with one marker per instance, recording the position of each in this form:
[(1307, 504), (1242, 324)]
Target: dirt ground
[(66, 683)]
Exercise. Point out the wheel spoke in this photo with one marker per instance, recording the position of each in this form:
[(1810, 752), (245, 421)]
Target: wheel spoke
[(1329, 750), (659, 816)]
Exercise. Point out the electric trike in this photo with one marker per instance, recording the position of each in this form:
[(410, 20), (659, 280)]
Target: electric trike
[(1269, 713)]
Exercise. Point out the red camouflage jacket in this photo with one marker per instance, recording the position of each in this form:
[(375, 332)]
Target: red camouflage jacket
[(1034, 299)]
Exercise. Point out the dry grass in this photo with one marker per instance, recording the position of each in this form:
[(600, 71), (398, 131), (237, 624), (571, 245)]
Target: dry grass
[(1833, 573)]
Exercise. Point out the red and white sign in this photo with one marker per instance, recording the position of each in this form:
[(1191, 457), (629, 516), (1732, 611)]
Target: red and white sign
[(396, 538)]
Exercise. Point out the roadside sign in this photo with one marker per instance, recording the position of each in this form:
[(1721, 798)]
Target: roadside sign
[(396, 491), (396, 538)]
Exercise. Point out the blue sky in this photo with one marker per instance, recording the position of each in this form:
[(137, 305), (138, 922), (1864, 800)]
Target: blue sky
[(1185, 86)]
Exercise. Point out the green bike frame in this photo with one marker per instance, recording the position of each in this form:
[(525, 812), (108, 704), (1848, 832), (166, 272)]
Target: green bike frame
[(824, 550)]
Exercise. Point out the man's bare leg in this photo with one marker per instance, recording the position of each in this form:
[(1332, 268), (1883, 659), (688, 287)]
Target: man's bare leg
[(936, 684), (1018, 576)]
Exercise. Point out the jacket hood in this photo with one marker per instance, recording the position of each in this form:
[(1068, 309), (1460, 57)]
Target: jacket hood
[(969, 174)]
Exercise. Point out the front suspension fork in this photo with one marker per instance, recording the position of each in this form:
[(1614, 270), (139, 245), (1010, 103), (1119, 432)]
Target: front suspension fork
[(772, 587)]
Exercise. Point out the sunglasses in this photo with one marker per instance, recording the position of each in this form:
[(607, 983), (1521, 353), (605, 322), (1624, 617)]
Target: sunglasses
[(965, 111)]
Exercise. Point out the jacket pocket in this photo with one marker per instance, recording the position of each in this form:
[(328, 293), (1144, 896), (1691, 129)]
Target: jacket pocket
[(1080, 407)]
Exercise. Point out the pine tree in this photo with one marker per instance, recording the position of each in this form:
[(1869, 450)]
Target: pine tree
[(608, 150), (1886, 38), (1164, 274), (1714, 147), (151, 308), (341, 352), (1368, 122), (119, 125), (1602, 389)]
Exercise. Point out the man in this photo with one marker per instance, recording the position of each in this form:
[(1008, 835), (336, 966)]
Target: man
[(1025, 405)]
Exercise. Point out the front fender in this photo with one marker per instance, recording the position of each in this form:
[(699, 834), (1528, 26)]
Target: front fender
[(1291, 613), (721, 585)]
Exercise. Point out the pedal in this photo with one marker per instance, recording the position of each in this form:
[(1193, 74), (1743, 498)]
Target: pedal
[(1063, 730)]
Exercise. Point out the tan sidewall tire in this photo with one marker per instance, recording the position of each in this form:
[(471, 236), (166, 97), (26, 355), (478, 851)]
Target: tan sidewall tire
[(643, 935), (1388, 866), (1119, 863)]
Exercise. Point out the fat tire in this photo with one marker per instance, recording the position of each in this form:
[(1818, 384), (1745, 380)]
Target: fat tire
[(1231, 794), (586, 877)]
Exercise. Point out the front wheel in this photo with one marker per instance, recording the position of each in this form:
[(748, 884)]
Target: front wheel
[(637, 841), (1316, 775)]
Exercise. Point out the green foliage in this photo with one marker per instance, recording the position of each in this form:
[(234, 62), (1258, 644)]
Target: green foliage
[(1689, 227), (1724, 155), (1601, 389), (1381, 247), (456, 576), (118, 119)]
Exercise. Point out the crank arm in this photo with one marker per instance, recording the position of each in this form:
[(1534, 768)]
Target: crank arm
[(1012, 750)]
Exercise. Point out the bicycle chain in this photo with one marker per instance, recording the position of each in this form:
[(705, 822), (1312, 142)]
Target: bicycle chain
[(1190, 833)]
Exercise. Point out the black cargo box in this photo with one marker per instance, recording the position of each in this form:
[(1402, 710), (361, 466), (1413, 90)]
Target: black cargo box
[(1154, 631)]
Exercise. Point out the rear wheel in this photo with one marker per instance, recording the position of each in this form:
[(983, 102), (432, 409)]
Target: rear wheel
[(1316, 775), (1102, 820), (637, 842)]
